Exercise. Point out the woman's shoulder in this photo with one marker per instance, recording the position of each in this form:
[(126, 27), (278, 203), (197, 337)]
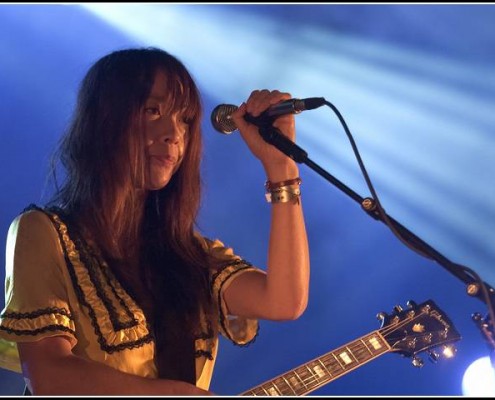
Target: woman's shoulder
[(32, 218), (211, 244), (216, 248)]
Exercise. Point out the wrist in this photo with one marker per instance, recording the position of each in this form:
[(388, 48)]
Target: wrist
[(282, 172)]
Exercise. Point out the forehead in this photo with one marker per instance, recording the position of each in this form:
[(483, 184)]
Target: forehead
[(164, 87)]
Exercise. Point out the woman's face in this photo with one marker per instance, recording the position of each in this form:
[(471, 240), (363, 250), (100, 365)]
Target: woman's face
[(166, 136)]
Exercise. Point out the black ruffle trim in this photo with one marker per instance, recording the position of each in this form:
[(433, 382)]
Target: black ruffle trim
[(90, 261)]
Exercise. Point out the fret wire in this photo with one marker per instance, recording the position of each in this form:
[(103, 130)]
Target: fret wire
[(334, 356), (268, 394), (325, 374), (283, 384), (372, 351), (305, 378), (315, 379), (342, 368), (319, 381), (319, 373), (324, 366), (260, 392), (384, 345), (378, 339), (270, 389), (352, 354), (304, 373), (298, 377), (383, 341), (312, 375), (334, 365), (288, 384), (366, 346), (312, 380), (276, 388), (307, 372), (359, 353)]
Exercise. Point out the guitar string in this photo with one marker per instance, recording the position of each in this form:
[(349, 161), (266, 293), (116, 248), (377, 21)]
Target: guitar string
[(312, 378)]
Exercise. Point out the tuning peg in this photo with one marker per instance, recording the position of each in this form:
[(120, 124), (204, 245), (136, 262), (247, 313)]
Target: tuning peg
[(433, 356), (411, 304), (477, 317), (398, 309), (381, 315), (483, 323), (417, 362)]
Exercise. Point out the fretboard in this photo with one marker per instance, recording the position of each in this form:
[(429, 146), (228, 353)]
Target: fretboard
[(322, 370)]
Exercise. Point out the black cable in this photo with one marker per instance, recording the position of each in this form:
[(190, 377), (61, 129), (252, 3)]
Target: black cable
[(391, 226)]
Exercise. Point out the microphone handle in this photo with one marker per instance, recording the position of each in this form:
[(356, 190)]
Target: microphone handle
[(292, 106), (261, 120)]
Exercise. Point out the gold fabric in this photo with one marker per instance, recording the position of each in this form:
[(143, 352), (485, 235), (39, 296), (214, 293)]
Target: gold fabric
[(56, 286)]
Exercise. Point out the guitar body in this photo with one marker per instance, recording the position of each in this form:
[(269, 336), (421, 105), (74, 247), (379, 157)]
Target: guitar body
[(408, 332)]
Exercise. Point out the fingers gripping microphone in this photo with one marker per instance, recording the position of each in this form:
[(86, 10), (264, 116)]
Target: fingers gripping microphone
[(221, 116)]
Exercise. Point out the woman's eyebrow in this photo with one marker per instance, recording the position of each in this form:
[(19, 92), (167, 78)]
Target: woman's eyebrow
[(157, 98)]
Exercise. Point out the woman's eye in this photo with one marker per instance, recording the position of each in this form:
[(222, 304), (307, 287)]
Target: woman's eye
[(152, 113), (185, 120)]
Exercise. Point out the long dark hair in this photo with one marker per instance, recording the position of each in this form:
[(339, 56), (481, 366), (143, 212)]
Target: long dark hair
[(103, 152)]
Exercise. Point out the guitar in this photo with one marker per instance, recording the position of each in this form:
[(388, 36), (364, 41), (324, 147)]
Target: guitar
[(408, 332)]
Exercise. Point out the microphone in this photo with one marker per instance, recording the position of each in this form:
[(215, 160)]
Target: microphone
[(221, 116)]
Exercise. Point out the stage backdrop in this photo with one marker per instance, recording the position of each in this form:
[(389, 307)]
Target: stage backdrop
[(416, 86)]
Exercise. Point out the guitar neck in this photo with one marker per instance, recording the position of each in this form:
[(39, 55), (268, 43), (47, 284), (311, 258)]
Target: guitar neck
[(322, 370)]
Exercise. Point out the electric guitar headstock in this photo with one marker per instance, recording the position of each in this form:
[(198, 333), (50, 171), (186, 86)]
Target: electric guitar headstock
[(419, 328)]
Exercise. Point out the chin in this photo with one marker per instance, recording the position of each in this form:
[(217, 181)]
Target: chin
[(157, 185)]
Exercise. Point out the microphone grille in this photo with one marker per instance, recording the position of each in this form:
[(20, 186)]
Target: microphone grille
[(221, 118)]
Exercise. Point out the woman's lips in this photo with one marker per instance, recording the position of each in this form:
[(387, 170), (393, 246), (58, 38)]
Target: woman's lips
[(166, 161)]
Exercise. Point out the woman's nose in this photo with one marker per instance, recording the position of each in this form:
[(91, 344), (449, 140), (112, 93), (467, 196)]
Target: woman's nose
[(172, 138), (172, 133)]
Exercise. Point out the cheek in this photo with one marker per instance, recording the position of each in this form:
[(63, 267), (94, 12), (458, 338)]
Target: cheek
[(150, 134), (182, 149)]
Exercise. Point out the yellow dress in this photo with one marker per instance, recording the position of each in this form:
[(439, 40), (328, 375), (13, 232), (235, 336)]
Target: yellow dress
[(55, 285)]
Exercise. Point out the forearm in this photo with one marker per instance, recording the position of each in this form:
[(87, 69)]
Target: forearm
[(282, 292), (288, 255), (72, 375)]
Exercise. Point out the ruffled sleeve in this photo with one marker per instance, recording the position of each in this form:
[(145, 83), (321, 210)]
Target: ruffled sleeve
[(36, 299), (240, 330)]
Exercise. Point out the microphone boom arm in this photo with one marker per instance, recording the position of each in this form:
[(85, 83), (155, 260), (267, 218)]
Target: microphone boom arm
[(475, 286), (276, 138), (273, 136)]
